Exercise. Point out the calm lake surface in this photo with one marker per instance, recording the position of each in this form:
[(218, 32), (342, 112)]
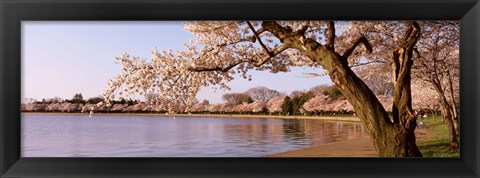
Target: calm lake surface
[(77, 135)]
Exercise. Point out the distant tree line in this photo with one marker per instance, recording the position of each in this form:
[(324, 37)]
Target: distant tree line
[(76, 104), (319, 100)]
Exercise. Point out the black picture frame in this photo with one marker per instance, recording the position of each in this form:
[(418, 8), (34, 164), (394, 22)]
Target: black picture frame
[(13, 12)]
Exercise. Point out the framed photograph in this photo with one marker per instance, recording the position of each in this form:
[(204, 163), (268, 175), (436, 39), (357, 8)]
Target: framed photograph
[(239, 88)]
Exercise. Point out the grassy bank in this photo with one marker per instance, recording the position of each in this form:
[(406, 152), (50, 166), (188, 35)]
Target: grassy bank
[(437, 142)]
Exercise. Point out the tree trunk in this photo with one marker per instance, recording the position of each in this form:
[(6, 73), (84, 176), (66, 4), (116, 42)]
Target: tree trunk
[(453, 105), (404, 120), (391, 139), (450, 120), (449, 117)]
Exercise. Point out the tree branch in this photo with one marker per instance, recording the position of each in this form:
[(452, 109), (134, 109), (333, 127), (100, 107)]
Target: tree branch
[(363, 40), (275, 52), (201, 69), (259, 39), (303, 29), (259, 63), (410, 36), (367, 63), (217, 27), (330, 44), (246, 39), (312, 75)]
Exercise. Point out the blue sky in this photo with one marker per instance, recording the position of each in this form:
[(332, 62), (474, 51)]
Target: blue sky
[(60, 59)]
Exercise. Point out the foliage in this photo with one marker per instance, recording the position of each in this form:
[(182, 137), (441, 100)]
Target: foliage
[(378, 78), (77, 98), (438, 65), (131, 102), (287, 106), (298, 101), (224, 49), (333, 92), (95, 100), (275, 104), (205, 102)]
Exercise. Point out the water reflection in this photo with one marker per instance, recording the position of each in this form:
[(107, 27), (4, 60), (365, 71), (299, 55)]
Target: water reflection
[(66, 135)]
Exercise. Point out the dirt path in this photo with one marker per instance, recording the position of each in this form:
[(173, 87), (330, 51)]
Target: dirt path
[(358, 147), (421, 132)]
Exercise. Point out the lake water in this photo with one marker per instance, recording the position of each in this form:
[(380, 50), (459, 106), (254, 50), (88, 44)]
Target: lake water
[(77, 135)]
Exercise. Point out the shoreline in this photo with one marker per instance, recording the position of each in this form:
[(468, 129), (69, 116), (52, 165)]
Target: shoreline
[(330, 118), (357, 147)]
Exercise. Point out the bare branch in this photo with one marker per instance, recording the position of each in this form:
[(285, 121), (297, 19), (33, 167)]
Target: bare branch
[(363, 40), (368, 63)]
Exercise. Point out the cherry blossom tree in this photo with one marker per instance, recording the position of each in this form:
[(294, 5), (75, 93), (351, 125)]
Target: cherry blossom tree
[(70, 107), (137, 107), (425, 97), (214, 108), (118, 107), (330, 107), (377, 77), (258, 106), (343, 105), (438, 64), (35, 107), (227, 107), (242, 108), (274, 105), (386, 101), (29, 100), (53, 107), (317, 103), (87, 107), (224, 49), (199, 107)]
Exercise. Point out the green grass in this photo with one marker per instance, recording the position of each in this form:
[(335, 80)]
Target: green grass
[(437, 144)]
